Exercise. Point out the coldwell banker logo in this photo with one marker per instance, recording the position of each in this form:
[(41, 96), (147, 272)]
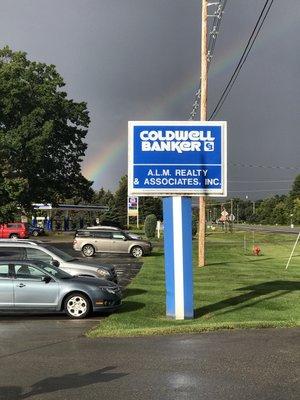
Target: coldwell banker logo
[(177, 140)]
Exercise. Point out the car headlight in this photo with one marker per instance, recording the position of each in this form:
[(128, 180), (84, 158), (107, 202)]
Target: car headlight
[(102, 272)]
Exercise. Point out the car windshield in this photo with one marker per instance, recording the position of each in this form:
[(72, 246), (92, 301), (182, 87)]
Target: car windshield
[(59, 253), (127, 235), (56, 272)]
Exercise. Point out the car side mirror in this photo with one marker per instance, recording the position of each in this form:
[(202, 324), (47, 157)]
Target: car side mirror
[(46, 279), (55, 263)]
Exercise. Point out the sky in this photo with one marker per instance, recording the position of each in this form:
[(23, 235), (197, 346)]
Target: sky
[(140, 60)]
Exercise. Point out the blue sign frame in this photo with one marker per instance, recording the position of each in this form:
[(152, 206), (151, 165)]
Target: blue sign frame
[(186, 158)]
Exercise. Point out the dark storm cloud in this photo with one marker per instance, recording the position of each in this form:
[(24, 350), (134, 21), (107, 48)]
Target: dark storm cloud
[(139, 59)]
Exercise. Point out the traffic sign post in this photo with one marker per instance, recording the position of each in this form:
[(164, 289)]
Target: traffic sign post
[(177, 160), (133, 209), (178, 257)]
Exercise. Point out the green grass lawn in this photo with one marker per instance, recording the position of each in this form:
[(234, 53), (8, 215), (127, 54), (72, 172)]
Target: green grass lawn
[(234, 289)]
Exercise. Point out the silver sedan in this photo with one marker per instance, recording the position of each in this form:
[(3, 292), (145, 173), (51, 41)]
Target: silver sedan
[(39, 286)]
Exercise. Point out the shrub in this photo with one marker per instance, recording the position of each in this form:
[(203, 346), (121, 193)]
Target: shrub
[(150, 226)]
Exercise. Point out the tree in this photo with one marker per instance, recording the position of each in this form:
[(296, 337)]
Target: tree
[(296, 212), (295, 192), (150, 205), (41, 134)]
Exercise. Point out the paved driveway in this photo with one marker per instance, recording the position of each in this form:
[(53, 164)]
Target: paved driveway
[(254, 364), (47, 357), (43, 329)]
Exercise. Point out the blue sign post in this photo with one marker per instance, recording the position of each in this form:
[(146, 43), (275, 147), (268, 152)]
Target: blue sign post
[(177, 160)]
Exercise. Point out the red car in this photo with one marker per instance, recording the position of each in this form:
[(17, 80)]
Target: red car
[(14, 230)]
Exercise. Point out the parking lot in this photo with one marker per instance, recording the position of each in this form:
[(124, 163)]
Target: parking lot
[(125, 265), (50, 328), (47, 356)]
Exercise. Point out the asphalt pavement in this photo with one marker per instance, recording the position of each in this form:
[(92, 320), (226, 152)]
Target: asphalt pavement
[(47, 356), (126, 266), (267, 228), (254, 364)]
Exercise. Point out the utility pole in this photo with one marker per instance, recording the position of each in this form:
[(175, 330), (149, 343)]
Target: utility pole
[(203, 117)]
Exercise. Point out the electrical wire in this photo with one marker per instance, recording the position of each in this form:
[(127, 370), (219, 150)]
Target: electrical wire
[(297, 167), (256, 30), (213, 35), (263, 181)]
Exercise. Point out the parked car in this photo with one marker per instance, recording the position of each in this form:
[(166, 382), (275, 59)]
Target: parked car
[(14, 230), (39, 286), (113, 228), (90, 241), (40, 251), (35, 230)]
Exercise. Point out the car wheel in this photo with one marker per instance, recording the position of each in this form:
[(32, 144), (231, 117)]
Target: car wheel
[(88, 250), (35, 233), (137, 251), (77, 305), (14, 236)]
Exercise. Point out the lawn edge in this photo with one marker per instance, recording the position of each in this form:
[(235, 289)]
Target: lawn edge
[(95, 333)]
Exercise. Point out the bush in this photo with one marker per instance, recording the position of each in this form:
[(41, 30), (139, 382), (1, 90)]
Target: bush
[(150, 226)]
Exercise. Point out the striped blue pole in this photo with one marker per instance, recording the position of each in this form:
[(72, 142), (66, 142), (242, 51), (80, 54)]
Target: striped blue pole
[(178, 257)]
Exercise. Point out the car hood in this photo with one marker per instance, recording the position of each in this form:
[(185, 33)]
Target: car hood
[(141, 241), (89, 280), (82, 263)]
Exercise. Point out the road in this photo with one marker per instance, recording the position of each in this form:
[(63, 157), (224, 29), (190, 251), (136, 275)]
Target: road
[(267, 228), (39, 363), (48, 357)]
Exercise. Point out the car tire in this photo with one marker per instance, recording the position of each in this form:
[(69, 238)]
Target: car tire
[(137, 251), (14, 236), (88, 250), (35, 233), (77, 306)]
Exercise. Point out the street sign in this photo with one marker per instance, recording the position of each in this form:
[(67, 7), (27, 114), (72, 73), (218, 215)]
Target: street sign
[(132, 206), (182, 158)]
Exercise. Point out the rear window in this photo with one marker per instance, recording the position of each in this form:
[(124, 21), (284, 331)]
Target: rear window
[(12, 253), (15, 226), (102, 234), (4, 271), (83, 234)]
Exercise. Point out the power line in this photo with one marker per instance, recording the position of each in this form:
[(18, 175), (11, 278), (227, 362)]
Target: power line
[(263, 181), (213, 35), (258, 26), (297, 167), (258, 190)]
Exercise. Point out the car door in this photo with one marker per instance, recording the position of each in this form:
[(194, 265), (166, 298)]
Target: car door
[(119, 243), (102, 241), (6, 287), (30, 291)]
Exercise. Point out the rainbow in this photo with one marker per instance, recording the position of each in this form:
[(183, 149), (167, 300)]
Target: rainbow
[(97, 166)]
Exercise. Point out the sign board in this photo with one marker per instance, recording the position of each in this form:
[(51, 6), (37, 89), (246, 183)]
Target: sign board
[(231, 217), (132, 206), (186, 158), (224, 216)]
